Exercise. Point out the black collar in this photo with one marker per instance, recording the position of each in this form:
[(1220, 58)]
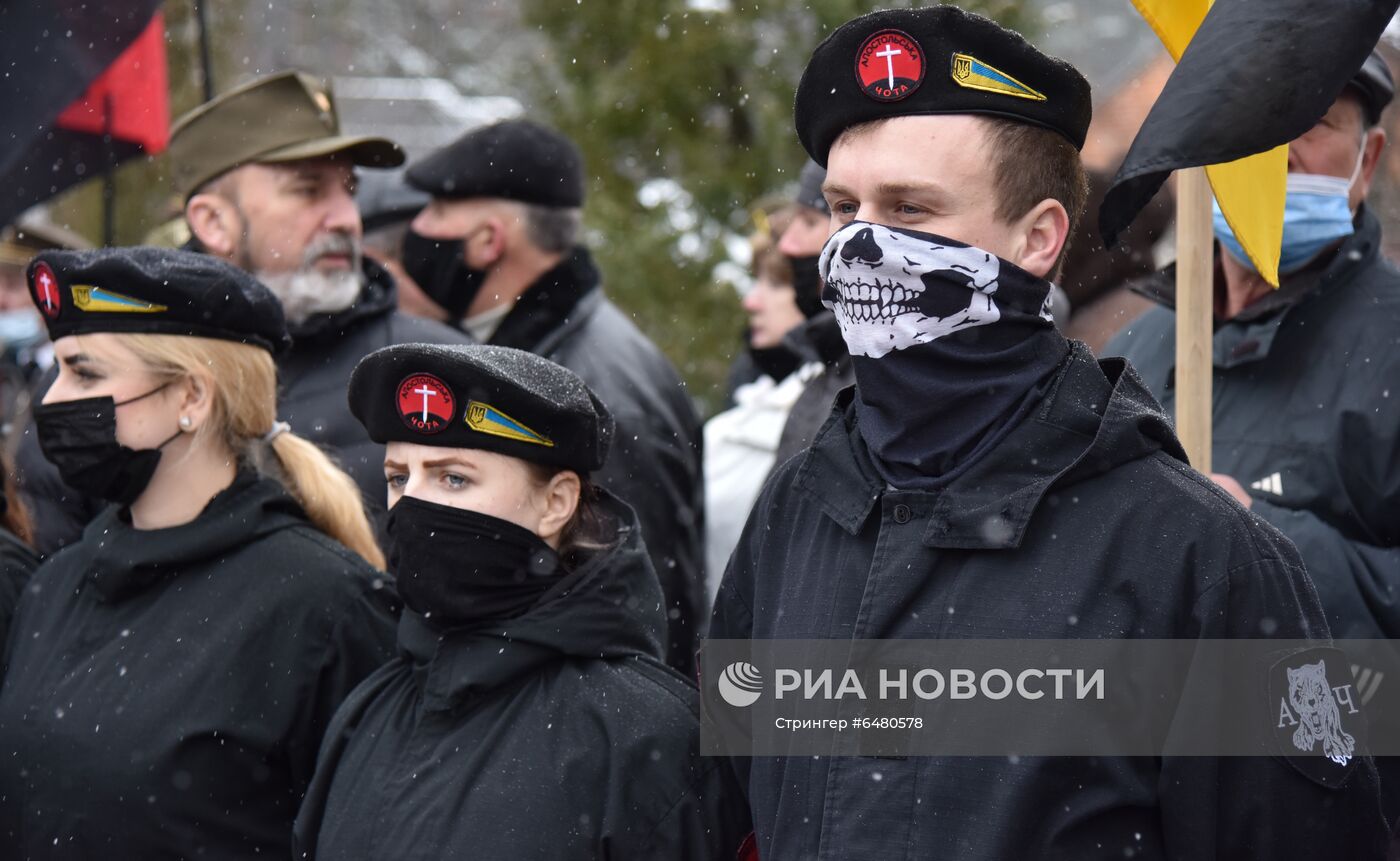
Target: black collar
[(610, 607), (1096, 415), (122, 561), (1248, 336), (548, 303)]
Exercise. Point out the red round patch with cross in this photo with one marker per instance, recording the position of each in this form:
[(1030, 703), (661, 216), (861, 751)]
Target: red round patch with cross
[(426, 403), (890, 66), (45, 285)]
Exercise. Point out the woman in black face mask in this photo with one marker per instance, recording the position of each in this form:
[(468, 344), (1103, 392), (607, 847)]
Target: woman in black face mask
[(529, 713), (168, 677)]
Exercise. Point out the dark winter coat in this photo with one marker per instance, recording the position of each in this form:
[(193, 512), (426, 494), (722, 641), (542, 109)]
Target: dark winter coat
[(312, 377), (655, 461), (1084, 522), (17, 563), (561, 736), (1306, 415), (816, 340), (166, 691)]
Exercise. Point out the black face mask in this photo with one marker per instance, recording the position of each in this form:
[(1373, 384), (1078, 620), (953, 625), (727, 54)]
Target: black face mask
[(80, 439), (950, 345), (807, 281), (438, 268), (460, 567)]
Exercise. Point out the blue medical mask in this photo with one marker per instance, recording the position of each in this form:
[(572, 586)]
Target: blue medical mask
[(1316, 213), (20, 328)]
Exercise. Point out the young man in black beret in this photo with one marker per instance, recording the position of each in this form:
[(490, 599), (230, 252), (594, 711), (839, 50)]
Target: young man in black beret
[(508, 197), (986, 478)]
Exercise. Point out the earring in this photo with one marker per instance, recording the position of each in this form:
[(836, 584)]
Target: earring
[(185, 422)]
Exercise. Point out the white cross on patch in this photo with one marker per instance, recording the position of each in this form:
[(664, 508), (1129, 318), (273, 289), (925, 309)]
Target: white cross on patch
[(889, 53), (426, 393)]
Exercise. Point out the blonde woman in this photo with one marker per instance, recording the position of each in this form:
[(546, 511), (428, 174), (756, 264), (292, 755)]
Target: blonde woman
[(169, 677)]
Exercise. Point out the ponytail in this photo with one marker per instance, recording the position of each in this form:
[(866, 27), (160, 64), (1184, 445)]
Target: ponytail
[(330, 498)]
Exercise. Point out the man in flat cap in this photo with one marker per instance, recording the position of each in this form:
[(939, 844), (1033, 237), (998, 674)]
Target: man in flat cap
[(1305, 432), (269, 184), (988, 479), (508, 197)]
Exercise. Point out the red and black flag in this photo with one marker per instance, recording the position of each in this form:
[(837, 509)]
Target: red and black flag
[(1255, 76), (84, 88)]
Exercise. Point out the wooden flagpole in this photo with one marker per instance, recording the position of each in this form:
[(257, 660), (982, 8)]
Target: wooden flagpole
[(1195, 299)]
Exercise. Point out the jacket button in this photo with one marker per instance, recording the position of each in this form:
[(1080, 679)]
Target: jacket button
[(902, 513)]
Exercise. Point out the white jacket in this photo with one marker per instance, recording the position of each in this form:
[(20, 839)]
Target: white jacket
[(740, 446)]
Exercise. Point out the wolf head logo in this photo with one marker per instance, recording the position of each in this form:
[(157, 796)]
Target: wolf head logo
[(1319, 719)]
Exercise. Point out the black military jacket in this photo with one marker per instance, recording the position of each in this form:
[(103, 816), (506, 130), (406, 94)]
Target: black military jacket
[(560, 735), (1085, 521), (17, 563), (166, 691)]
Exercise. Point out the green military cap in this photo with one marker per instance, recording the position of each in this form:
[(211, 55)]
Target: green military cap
[(19, 242), (285, 117)]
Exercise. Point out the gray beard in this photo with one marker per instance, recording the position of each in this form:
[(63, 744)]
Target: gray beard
[(305, 293)]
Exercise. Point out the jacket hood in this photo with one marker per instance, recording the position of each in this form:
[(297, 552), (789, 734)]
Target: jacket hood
[(1096, 416), (609, 607), (122, 560)]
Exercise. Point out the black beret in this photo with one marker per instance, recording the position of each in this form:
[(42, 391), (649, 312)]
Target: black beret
[(936, 60), (515, 159), (493, 398), (1375, 85), (160, 291)]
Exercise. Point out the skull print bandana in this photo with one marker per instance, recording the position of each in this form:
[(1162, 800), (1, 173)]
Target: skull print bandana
[(951, 347)]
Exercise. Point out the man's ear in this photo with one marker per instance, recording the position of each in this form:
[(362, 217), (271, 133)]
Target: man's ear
[(216, 223), (491, 247), (1043, 232), (1374, 143)]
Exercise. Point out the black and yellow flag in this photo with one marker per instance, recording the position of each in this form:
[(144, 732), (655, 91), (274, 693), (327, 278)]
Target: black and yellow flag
[(1251, 76)]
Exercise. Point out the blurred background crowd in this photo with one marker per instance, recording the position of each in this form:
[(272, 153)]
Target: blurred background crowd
[(687, 141)]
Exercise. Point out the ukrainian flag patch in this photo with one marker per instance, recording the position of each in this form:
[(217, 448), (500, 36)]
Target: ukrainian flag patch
[(484, 418), (970, 72), (88, 298)]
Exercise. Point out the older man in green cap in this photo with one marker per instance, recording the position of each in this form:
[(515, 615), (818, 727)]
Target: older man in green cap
[(268, 182)]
